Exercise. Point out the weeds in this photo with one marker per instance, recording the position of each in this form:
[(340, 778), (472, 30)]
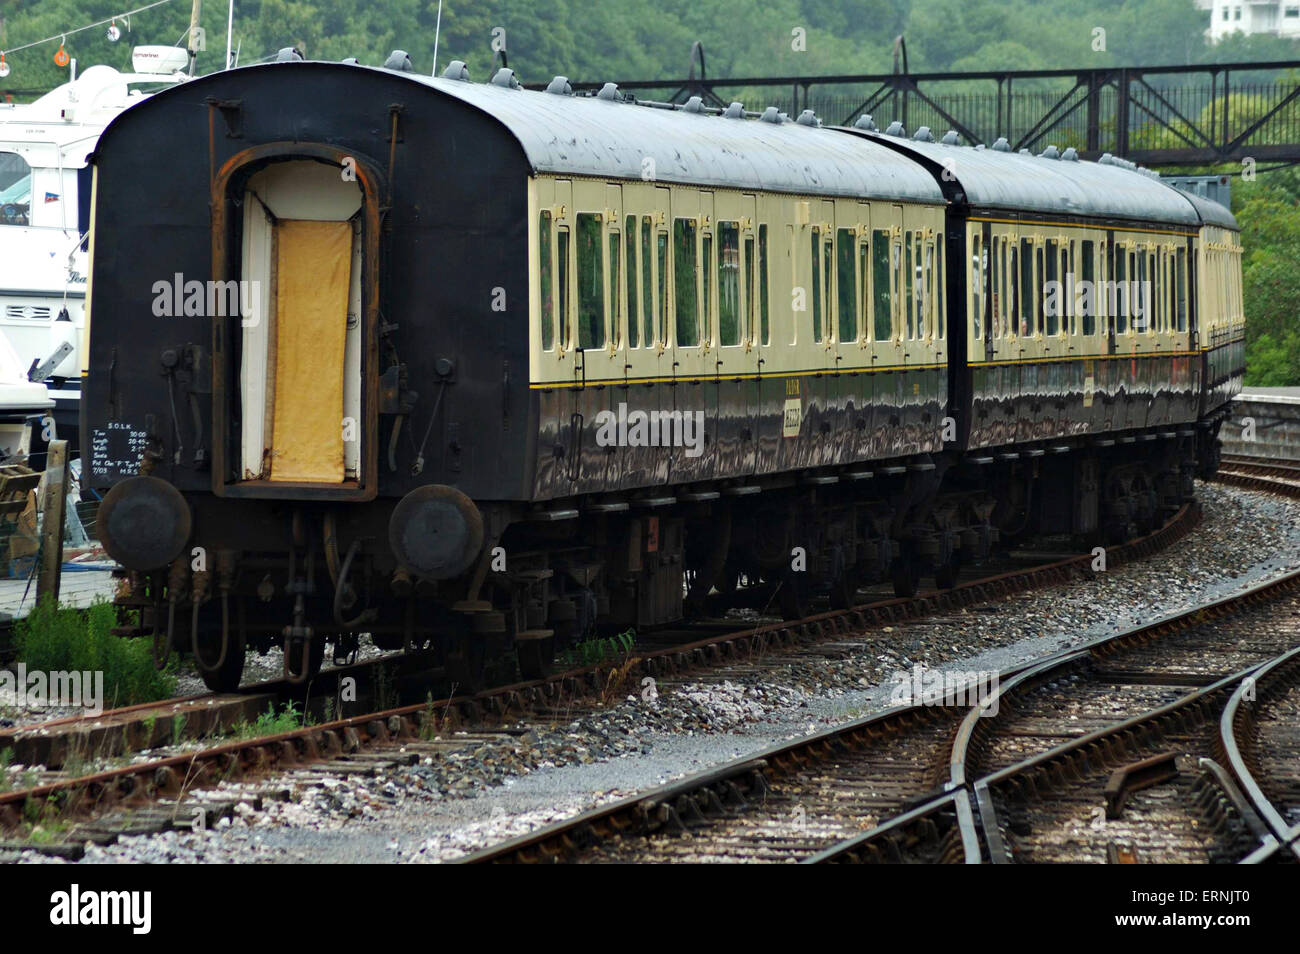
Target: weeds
[(269, 722), (593, 651), (60, 639)]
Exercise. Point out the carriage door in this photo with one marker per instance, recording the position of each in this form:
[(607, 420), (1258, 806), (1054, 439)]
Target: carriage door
[(300, 301), (735, 362)]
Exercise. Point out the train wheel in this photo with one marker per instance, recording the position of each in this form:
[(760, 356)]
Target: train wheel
[(907, 576), (536, 657), (844, 590), (945, 576), (466, 666), (793, 596)]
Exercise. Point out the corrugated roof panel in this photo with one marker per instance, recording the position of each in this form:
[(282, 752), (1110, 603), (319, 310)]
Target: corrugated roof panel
[(585, 136)]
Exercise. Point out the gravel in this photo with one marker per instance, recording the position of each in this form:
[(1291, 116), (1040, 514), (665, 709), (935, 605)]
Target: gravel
[(467, 791)]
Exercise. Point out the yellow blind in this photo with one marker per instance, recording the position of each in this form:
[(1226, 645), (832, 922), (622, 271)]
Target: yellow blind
[(313, 275)]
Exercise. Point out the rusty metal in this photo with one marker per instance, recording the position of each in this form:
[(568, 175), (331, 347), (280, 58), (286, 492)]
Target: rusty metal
[(93, 790), (1139, 775)]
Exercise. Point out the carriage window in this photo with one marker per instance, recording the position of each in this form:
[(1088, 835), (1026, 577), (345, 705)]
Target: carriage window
[(864, 288), (817, 284), (1140, 306), (633, 315), (662, 273), (729, 283), (562, 282), (1012, 283), (1180, 288), (1171, 294), (1027, 319), (685, 266), (999, 297), (1121, 291), (544, 266), (746, 277), (762, 284), (882, 297), (846, 299), (941, 329), (647, 281), (15, 190), (1069, 324), (908, 290), (1051, 279), (1087, 268), (977, 263), (828, 275), (591, 282), (615, 291), (924, 300), (707, 276)]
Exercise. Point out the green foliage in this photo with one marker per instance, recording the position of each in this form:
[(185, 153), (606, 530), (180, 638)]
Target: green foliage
[(1268, 210), (53, 638), (630, 39), (270, 722), (593, 651)]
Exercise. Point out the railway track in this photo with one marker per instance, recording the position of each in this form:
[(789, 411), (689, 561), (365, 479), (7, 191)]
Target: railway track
[(1259, 473), (561, 696), (1108, 752)]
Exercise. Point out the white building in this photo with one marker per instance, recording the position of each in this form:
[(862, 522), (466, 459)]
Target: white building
[(1277, 17)]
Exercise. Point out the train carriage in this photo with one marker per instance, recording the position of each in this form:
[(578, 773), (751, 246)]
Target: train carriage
[(485, 369)]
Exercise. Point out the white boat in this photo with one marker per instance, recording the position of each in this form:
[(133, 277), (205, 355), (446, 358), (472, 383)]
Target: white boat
[(25, 406), (44, 215)]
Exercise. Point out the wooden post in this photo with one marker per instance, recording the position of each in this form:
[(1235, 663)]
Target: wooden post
[(54, 498)]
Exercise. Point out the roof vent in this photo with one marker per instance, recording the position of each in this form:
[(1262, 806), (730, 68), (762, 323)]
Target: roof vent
[(457, 71), (865, 122), (1001, 145), (950, 138), (771, 115), (896, 129), (693, 105), (1025, 152), (1070, 155), (560, 86), (735, 111), (1051, 152), (923, 134), (609, 93), (808, 118), (505, 77), (289, 55), (1105, 159), (350, 61), (400, 61), (979, 146)]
